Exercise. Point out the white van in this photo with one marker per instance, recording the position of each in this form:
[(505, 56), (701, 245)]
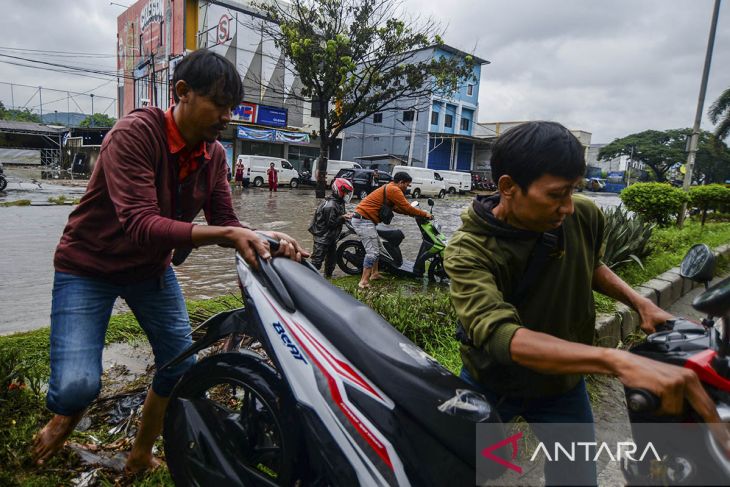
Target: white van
[(456, 181), (255, 167), (426, 182), (333, 167)]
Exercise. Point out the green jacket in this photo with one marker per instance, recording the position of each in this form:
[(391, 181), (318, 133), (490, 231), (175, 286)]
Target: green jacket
[(485, 260)]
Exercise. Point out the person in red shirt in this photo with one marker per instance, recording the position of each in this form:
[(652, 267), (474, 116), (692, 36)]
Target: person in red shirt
[(156, 171), (273, 177)]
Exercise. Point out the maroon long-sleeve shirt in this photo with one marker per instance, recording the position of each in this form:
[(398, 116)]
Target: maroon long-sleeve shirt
[(135, 211)]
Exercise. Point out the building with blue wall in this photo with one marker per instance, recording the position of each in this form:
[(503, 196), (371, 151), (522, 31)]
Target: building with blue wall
[(435, 133)]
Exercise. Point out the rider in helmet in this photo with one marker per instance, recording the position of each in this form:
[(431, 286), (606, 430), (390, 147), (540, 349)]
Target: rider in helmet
[(327, 224)]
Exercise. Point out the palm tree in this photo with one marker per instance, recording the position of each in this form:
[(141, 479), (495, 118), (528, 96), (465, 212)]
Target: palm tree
[(720, 112)]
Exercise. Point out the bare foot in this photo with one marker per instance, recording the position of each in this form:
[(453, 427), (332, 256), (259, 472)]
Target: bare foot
[(363, 286), (48, 441), (375, 277), (141, 464)]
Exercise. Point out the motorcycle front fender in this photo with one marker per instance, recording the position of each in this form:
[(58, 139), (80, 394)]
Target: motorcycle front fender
[(216, 327)]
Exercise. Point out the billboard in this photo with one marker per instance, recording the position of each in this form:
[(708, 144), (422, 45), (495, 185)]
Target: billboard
[(271, 116)]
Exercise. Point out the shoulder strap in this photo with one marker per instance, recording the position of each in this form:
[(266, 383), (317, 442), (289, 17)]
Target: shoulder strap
[(546, 244)]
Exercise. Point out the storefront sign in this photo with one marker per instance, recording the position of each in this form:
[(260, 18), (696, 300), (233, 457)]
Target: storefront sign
[(272, 135), (152, 12), (292, 137), (270, 116), (245, 112), (255, 134)]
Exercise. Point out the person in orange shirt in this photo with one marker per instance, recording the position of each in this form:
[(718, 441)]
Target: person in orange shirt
[(367, 216)]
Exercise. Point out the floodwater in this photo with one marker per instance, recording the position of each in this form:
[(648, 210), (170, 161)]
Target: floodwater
[(28, 237)]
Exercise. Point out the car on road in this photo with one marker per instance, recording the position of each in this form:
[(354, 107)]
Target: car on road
[(362, 180)]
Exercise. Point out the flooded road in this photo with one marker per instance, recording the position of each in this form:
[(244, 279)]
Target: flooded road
[(29, 234)]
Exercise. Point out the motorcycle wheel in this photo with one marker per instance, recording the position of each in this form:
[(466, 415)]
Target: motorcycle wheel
[(229, 423), (350, 257), (3, 183), (436, 271)]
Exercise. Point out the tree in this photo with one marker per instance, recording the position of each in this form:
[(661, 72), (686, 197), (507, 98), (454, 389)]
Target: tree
[(662, 150), (356, 58), (99, 119), (719, 113), (23, 115)]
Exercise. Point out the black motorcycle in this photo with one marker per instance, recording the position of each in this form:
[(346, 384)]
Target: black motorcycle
[(694, 457)]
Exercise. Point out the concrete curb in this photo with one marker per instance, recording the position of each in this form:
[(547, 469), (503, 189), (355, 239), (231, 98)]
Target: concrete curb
[(664, 290)]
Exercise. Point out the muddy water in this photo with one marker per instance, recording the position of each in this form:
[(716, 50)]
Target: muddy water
[(28, 236)]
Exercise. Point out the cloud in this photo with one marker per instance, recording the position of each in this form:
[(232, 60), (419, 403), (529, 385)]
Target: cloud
[(608, 67)]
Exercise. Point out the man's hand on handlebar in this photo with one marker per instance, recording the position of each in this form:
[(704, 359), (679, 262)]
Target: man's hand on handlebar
[(288, 247), (673, 386), (651, 316)]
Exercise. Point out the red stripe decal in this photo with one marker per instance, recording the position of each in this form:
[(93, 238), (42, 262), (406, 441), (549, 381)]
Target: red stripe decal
[(361, 428)]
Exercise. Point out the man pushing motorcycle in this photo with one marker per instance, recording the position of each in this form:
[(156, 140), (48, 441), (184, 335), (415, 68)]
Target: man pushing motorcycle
[(156, 171), (523, 267)]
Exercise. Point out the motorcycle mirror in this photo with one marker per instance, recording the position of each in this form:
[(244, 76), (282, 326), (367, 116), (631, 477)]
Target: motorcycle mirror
[(698, 264), (430, 202), (415, 204), (715, 301)]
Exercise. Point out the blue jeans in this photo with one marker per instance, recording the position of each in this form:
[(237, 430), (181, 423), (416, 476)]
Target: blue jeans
[(80, 314), (572, 407)]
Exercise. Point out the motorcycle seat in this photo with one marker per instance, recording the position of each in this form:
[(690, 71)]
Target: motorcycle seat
[(413, 380), (392, 235)]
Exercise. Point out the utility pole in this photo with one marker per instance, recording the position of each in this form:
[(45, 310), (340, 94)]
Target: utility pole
[(92, 109), (40, 97), (694, 141), (12, 97), (628, 168), (413, 137)]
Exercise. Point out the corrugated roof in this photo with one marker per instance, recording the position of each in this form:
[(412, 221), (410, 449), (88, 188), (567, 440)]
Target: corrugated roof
[(14, 126)]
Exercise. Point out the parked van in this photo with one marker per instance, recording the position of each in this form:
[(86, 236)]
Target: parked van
[(456, 181), (255, 167), (333, 167), (426, 182)]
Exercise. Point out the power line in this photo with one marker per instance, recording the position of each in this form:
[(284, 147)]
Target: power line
[(69, 53)]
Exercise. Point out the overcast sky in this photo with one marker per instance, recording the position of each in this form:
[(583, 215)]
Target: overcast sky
[(610, 67)]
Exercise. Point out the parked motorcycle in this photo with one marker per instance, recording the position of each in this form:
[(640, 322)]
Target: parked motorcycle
[(3, 180), (696, 458), (337, 396), (351, 252)]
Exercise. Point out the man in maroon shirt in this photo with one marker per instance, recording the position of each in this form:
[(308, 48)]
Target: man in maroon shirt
[(155, 172)]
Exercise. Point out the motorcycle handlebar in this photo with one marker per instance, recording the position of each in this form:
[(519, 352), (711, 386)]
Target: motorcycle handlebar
[(642, 401)]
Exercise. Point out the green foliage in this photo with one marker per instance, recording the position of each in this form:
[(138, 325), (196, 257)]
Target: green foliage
[(709, 197), (662, 151), (356, 57), (98, 120), (22, 115), (63, 200), (626, 238), (656, 202), (719, 113), (16, 203)]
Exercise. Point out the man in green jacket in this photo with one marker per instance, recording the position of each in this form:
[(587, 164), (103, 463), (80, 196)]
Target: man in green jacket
[(527, 345)]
